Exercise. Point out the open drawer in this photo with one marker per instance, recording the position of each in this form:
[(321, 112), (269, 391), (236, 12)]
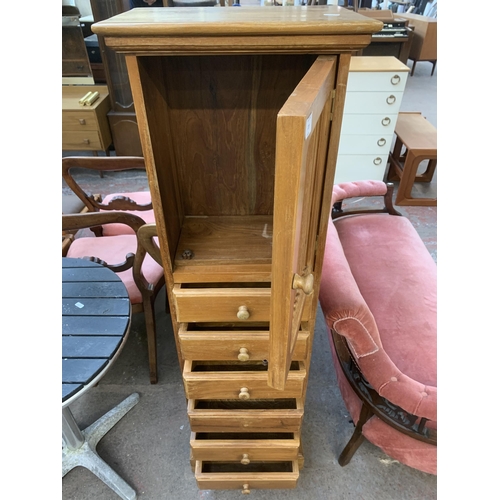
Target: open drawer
[(279, 415), (244, 344), (234, 380), (244, 447), (256, 475)]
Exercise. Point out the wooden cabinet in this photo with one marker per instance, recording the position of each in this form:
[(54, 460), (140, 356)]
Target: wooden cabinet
[(239, 112), (85, 128), (375, 88)]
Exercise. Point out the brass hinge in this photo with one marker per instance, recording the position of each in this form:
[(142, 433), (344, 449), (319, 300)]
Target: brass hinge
[(333, 102)]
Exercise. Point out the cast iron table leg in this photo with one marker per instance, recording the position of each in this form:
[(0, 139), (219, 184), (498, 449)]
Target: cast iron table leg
[(79, 447)]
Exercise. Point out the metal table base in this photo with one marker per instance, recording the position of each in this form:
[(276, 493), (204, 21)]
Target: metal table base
[(79, 447)]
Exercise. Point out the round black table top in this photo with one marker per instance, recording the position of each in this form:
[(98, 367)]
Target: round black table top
[(96, 315)]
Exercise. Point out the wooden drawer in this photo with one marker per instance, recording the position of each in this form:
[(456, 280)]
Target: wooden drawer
[(365, 144), (235, 380), (224, 304), (79, 120), (372, 102), (377, 81), (254, 476), (245, 447), (252, 344), (375, 124), (360, 167), (86, 140), (279, 415)]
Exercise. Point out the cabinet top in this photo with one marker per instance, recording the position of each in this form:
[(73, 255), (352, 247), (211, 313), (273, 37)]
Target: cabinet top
[(241, 21)]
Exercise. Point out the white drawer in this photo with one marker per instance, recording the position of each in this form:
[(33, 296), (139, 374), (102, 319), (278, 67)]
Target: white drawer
[(360, 168), (377, 81), (375, 124), (372, 102), (365, 144)]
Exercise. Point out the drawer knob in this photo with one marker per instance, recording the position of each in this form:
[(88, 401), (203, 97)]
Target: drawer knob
[(244, 394), (305, 283), (377, 161), (381, 142), (245, 460), (243, 313), (243, 355), (82, 121), (246, 489), (386, 121), (395, 79), (391, 99), (86, 141)]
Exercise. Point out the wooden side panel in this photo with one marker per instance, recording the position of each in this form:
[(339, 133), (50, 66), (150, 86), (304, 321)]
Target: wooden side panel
[(301, 148)]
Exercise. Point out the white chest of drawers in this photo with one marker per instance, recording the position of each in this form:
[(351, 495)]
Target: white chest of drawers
[(375, 90)]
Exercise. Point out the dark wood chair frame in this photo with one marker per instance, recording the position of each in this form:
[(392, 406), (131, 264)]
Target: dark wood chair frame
[(145, 244), (372, 402)]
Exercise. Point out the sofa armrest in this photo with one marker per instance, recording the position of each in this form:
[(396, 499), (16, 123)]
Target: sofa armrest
[(357, 189)]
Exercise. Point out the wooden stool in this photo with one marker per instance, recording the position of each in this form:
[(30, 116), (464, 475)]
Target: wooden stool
[(420, 139)]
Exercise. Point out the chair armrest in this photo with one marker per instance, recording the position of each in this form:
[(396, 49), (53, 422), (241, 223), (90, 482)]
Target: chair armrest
[(91, 219), (365, 189), (146, 235)]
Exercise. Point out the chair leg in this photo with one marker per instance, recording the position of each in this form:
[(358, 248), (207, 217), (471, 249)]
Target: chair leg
[(149, 317), (357, 437), (413, 67)]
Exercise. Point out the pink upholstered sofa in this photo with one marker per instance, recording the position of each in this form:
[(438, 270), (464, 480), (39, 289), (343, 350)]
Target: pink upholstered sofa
[(378, 294)]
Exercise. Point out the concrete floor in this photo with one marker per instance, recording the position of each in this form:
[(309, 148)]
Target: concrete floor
[(149, 448)]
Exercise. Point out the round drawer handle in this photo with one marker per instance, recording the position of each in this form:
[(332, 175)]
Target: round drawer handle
[(381, 141), (82, 121), (395, 79), (386, 121), (377, 161), (244, 394), (391, 99), (245, 460), (246, 489), (243, 355), (243, 313), (86, 141)]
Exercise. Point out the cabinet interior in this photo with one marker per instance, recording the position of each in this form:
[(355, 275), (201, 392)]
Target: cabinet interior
[(213, 141)]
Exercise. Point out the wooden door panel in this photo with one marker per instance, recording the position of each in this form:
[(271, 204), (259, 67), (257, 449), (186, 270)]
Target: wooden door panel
[(302, 137)]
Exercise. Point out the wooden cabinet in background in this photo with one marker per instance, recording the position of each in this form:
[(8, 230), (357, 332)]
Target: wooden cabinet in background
[(239, 111), (85, 128), (424, 43)]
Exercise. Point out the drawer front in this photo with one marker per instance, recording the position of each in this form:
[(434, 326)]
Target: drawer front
[(260, 475), (360, 168), (365, 144), (377, 81), (77, 141), (222, 304), (79, 120), (244, 447), (375, 124), (281, 415), (212, 380), (372, 102), (241, 345)]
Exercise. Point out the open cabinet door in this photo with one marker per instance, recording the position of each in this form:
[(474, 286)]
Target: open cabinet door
[(303, 129)]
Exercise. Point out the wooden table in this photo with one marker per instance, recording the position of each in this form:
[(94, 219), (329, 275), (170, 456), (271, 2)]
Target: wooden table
[(96, 314)]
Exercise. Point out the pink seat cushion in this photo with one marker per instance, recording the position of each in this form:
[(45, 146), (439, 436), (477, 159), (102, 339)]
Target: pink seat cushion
[(113, 250), (140, 197)]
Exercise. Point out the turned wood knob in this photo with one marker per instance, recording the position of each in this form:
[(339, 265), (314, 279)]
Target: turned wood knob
[(82, 121), (244, 394), (244, 459), (246, 489), (243, 313), (243, 355), (305, 283)]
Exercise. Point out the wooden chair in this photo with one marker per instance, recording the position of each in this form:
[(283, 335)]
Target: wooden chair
[(137, 203), (135, 259)]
